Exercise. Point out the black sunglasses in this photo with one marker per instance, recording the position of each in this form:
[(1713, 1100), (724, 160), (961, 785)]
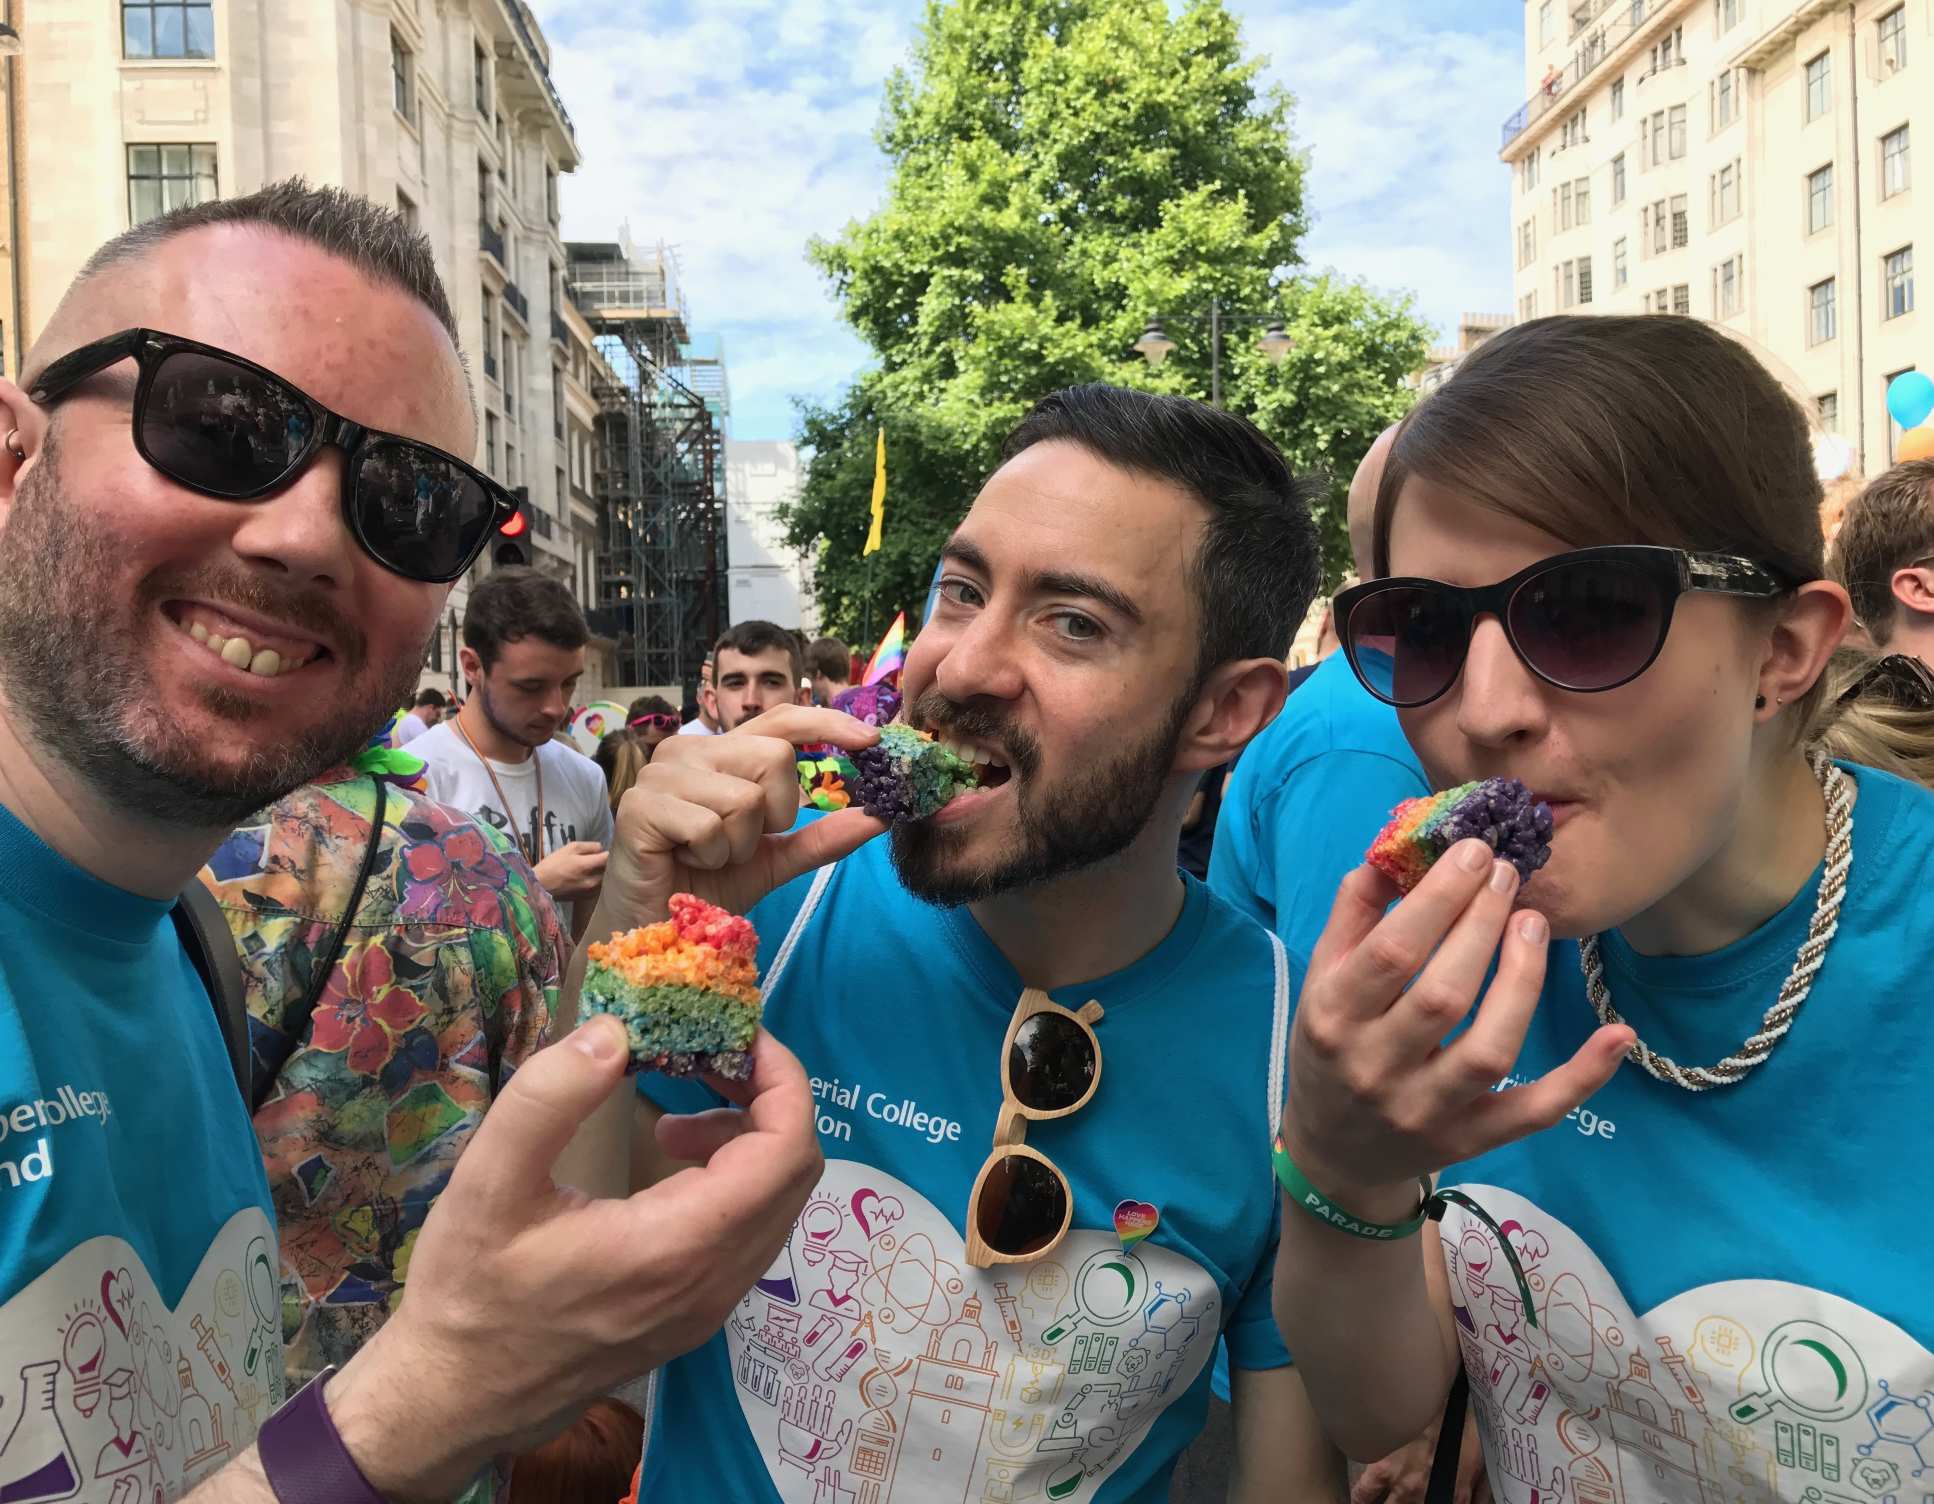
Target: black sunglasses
[(1904, 680), (1585, 621), (228, 428)]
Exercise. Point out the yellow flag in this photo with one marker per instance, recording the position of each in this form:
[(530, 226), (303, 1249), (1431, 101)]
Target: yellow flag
[(879, 498)]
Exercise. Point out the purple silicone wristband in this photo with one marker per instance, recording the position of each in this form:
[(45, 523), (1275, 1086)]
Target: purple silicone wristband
[(303, 1455)]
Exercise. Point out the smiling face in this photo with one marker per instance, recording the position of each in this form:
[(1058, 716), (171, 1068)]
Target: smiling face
[(194, 658), (1064, 645), (1646, 782)]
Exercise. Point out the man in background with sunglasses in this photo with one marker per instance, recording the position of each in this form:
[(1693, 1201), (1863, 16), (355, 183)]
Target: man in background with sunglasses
[(1041, 1057), (232, 495), (1884, 555)]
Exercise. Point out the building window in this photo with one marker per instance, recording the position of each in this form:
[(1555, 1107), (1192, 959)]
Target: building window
[(1726, 13), (1897, 283), (510, 374), (1829, 406), (1681, 228), (1528, 172), (1729, 287), (1584, 279), (510, 463), (1618, 100), (1528, 307), (1621, 271), (1676, 132), (1572, 132), (1725, 99), (1819, 199), (1819, 86), (557, 407), (167, 28), (1892, 29), (402, 77), (1893, 163), (1581, 201), (1566, 283), (1670, 50), (1561, 206), (1527, 242), (1823, 314), (480, 77), (490, 442), (1547, 23), (161, 178), (1654, 218), (1725, 193), (1682, 299), (406, 211), (1618, 180), (550, 191)]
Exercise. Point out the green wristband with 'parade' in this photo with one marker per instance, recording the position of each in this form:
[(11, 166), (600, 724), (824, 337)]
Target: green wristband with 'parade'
[(1313, 1201)]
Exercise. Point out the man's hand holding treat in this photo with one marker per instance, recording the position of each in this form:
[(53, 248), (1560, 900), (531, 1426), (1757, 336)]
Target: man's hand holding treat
[(713, 816)]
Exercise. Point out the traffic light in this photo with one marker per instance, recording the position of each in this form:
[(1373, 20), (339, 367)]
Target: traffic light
[(515, 531)]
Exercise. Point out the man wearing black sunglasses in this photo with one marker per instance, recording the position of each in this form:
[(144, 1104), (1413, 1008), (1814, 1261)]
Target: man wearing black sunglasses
[(232, 495), (1041, 1057)]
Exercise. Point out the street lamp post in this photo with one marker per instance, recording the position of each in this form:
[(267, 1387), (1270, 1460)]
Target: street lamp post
[(1155, 346)]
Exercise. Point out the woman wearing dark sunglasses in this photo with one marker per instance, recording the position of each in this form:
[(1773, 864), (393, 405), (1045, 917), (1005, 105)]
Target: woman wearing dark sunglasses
[(1669, 1084)]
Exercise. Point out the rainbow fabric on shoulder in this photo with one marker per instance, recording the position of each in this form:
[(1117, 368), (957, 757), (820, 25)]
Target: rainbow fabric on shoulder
[(686, 990), (1501, 812)]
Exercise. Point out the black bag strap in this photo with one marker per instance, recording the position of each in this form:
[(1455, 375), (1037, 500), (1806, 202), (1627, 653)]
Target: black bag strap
[(204, 933), (210, 945), (1442, 1488)]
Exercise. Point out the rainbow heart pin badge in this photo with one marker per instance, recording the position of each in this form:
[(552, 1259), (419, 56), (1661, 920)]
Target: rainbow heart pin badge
[(1134, 1221)]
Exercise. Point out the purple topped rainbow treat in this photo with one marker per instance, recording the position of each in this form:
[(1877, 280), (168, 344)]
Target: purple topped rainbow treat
[(908, 775), (1500, 812)]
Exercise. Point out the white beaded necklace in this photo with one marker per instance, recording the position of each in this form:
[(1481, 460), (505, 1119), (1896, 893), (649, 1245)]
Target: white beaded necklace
[(1838, 788)]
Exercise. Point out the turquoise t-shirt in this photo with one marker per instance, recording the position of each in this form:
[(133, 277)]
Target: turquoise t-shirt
[(1307, 798), (872, 1361), (1732, 1287), (139, 1307)]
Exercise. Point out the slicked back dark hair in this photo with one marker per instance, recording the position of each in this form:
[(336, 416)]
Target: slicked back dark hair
[(1257, 566), (369, 236), (1888, 526)]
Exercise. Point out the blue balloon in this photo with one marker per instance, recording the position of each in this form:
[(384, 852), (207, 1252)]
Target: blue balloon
[(1911, 398)]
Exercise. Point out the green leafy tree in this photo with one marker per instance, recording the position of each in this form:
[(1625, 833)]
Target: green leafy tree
[(1063, 169)]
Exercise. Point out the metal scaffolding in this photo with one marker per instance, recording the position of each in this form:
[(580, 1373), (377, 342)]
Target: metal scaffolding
[(659, 474)]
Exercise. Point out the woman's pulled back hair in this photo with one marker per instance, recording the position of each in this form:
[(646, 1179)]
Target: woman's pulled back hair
[(1877, 730), (1640, 429)]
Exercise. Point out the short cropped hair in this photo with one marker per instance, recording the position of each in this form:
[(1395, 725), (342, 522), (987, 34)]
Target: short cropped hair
[(371, 237), (1888, 526), (431, 697), (755, 637), (509, 605), (829, 658)]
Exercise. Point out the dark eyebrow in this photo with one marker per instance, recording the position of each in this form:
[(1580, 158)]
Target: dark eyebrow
[(1050, 581)]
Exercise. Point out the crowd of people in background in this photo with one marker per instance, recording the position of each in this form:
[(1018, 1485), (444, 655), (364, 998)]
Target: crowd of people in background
[(428, 1255)]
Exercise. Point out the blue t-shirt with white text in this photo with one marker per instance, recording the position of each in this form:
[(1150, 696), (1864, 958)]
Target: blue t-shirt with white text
[(140, 1310), (872, 1361), (1732, 1286)]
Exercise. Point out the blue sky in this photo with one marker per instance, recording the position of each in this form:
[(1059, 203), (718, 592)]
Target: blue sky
[(736, 129)]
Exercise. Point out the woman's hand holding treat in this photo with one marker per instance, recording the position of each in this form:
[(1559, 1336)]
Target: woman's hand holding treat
[(713, 816), (1376, 1096)]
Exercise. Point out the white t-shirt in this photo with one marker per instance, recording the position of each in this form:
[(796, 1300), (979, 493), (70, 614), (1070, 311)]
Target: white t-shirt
[(696, 728), (410, 728), (577, 801)]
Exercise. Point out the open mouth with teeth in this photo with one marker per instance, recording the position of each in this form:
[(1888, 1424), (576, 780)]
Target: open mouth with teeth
[(990, 767), (265, 655)]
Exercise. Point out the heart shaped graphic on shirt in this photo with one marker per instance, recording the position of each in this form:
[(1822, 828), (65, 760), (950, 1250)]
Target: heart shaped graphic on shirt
[(894, 1364), (1134, 1221), (875, 1212), (1748, 1387), (167, 1395), (117, 1296)]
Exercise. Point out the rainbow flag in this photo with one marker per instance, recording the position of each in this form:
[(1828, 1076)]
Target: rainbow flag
[(891, 655)]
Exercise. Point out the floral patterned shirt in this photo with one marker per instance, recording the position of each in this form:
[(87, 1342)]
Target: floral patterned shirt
[(447, 981)]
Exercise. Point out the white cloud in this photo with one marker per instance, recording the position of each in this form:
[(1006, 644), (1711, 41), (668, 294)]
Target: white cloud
[(737, 129)]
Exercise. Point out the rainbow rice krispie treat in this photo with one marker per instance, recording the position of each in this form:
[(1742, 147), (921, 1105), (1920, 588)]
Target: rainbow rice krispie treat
[(907, 775), (1498, 811), (686, 990)]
